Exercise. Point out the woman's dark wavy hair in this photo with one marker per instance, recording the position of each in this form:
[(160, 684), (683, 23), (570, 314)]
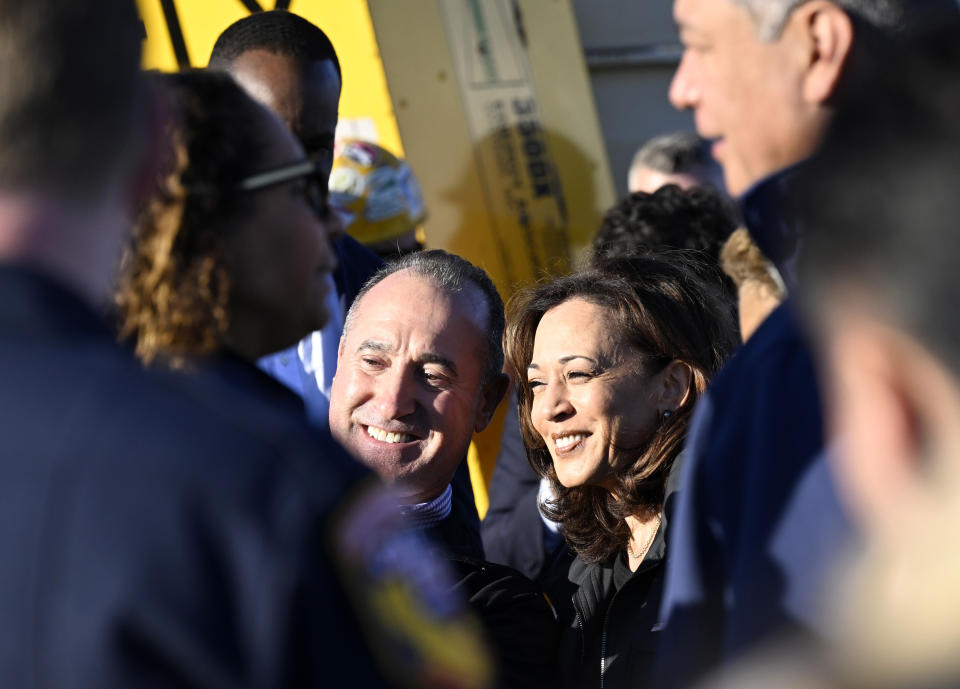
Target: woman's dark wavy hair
[(173, 290), (664, 312)]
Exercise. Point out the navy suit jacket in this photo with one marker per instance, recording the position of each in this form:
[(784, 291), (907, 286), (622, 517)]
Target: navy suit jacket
[(154, 534), (758, 523)]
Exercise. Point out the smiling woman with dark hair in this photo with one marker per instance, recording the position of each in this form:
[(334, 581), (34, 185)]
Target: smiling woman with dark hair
[(609, 364)]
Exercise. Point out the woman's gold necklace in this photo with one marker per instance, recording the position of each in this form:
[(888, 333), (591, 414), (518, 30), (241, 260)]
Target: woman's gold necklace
[(643, 553)]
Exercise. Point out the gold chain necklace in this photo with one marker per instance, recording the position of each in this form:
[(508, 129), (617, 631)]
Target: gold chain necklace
[(643, 553)]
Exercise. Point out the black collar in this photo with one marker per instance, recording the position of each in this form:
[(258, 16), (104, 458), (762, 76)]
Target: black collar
[(766, 213), (239, 372), (33, 304)]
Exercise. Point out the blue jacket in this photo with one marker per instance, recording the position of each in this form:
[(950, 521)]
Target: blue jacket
[(758, 522)]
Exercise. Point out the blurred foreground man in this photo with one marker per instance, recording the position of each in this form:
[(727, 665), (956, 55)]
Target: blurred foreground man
[(881, 290), (153, 533), (758, 523)]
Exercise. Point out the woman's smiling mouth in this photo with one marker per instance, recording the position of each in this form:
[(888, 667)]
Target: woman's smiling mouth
[(568, 442)]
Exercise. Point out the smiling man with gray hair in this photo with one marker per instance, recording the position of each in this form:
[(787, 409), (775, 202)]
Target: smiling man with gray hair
[(419, 370)]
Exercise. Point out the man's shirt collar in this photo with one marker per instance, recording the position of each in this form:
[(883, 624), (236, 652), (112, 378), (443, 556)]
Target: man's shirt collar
[(425, 514)]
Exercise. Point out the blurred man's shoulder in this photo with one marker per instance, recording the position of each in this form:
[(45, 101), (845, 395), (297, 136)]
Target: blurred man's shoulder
[(777, 348), (261, 422)]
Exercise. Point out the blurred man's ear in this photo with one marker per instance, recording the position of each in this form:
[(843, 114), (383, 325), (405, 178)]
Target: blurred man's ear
[(491, 395), (825, 36), (894, 411), (870, 418)]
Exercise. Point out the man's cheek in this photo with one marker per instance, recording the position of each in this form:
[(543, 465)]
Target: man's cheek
[(357, 389)]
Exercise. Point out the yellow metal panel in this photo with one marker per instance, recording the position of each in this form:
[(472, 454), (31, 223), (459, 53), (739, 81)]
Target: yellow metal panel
[(365, 107), (496, 113), (482, 458), (157, 48), (565, 98)]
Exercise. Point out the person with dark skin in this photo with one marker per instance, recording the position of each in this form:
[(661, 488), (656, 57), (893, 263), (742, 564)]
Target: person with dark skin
[(301, 84), (227, 262), (290, 66)]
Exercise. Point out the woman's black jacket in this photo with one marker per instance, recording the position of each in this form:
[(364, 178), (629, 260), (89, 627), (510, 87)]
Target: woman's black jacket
[(610, 638)]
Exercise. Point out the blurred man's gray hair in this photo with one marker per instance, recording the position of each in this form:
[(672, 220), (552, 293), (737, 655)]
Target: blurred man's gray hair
[(71, 94), (673, 153), (771, 15), (668, 158)]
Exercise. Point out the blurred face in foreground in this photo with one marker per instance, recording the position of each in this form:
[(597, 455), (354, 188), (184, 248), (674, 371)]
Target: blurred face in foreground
[(278, 254), (893, 407), (410, 387), (760, 101)]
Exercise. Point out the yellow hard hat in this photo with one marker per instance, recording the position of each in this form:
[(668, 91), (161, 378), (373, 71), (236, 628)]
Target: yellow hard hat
[(375, 192)]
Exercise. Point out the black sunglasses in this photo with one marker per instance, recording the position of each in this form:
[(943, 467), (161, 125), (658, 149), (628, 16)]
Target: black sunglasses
[(279, 175), (315, 192)]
